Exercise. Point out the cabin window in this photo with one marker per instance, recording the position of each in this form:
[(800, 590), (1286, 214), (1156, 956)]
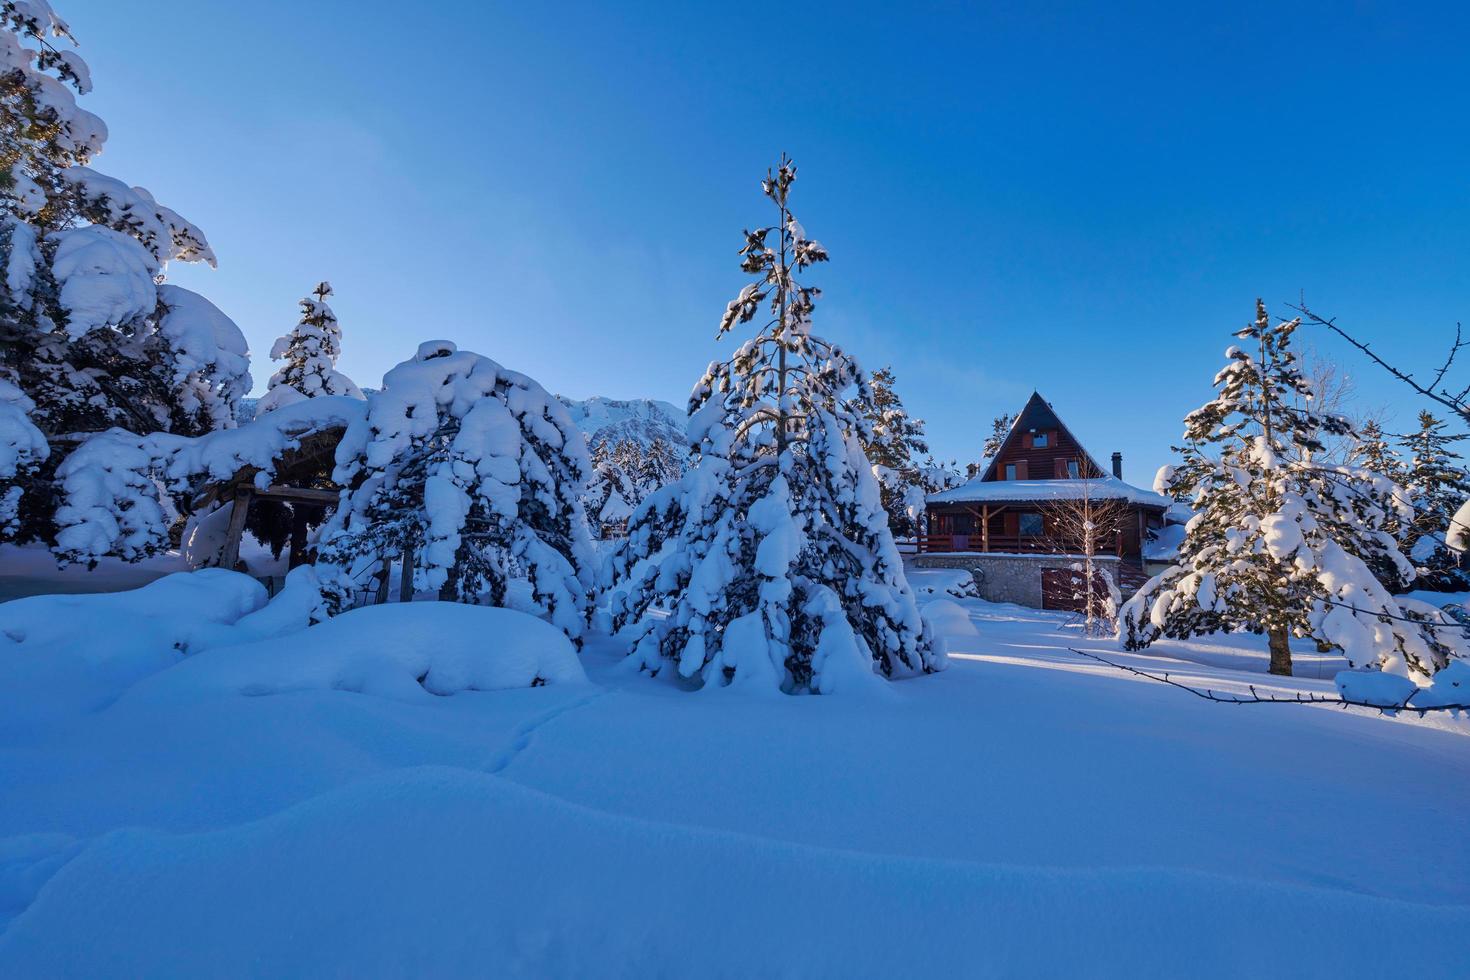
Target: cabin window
[(1038, 440), (1031, 525), (1010, 471), (1073, 470)]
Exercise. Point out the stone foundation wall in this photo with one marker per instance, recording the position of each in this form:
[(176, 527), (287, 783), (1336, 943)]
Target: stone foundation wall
[(1012, 578)]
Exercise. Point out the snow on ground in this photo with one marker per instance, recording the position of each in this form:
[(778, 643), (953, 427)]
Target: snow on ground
[(1025, 812)]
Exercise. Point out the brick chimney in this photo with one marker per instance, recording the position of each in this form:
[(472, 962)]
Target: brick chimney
[(1118, 465)]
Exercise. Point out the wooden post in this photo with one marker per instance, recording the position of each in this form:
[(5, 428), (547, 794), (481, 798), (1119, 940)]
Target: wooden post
[(297, 555), (383, 581), (229, 555), (405, 581), (985, 528)]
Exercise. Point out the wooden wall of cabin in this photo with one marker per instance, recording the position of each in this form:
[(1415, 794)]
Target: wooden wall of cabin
[(1048, 462)]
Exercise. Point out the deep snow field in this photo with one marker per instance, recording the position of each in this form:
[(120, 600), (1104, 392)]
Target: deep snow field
[(300, 805)]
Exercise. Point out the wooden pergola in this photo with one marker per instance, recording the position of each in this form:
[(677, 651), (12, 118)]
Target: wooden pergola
[(301, 476)]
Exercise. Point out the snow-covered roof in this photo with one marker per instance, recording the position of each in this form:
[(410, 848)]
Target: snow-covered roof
[(1103, 488)]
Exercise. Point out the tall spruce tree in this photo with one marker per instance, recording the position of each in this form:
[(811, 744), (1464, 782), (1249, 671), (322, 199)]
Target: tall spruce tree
[(310, 351), (894, 449), (1280, 544), (1438, 487), (780, 570), (86, 331)]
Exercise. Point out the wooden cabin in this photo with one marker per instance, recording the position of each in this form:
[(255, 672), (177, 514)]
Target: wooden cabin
[(1007, 524)]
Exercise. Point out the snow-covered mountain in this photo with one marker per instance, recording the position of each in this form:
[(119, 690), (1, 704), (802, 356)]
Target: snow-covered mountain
[(641, 420)]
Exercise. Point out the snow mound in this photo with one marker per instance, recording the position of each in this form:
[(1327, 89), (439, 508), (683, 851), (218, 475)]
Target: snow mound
[(404, 651), (948, 618), (1451, 686), (65, 653), (957, 582), (1375, 687)]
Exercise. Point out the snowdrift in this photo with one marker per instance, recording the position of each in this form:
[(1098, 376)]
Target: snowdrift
[(406, 651), (65, 653), (444, 872)]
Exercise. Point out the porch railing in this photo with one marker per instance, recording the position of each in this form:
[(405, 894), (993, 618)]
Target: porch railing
[(1010, 544)]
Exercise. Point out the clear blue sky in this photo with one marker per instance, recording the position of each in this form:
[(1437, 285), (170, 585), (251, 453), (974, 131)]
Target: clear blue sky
[(1082, 201)]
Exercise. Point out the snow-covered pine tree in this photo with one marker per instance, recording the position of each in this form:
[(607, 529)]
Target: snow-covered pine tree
[(894, 450), (86, 331), (779, 570), (474, 471), (1279, 544), (310, 351), (659, 465), (1000, 427), (1438, 486), (611, 495), (1372, 451)]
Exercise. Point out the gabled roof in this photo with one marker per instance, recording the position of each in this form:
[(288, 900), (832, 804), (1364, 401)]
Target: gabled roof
[(1036, 414)]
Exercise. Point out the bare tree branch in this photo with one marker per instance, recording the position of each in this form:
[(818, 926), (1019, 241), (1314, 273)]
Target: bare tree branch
[(1255, 698)]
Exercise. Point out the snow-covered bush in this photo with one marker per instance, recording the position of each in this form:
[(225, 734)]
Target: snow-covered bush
[(1280, 544), (476, 473), (408, 651), (90, 337), (310, 351), (772, 556)]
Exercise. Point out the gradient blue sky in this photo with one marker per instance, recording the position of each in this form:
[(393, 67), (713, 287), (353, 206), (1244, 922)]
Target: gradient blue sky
[(1082, 200)]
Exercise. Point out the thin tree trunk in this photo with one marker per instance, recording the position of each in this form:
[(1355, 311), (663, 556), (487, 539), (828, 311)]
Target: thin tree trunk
[(405, 581), (1280, 651)]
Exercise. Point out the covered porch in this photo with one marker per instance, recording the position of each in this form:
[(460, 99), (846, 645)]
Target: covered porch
[(1013, 529)]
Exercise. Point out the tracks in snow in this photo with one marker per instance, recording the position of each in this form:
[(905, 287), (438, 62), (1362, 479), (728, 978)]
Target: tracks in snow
[(521, 737)]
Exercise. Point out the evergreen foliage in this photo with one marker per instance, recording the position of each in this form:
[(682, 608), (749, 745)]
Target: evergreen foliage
[(473, 471), (772, 555), (1279, 544), (86, 331), (1438, 486), (310, 351), (894, 449)]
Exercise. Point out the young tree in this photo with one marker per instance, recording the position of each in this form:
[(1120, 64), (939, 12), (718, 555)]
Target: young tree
[(1279, 544), (310, 351), (1086, 525), (86, 331), (1372, 451), (781, 570), (1000, 427), (474, 473), (894, 450), (1438, 486)]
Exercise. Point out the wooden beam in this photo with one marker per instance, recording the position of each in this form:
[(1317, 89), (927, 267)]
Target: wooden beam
[(240, 508), (304, 495)]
